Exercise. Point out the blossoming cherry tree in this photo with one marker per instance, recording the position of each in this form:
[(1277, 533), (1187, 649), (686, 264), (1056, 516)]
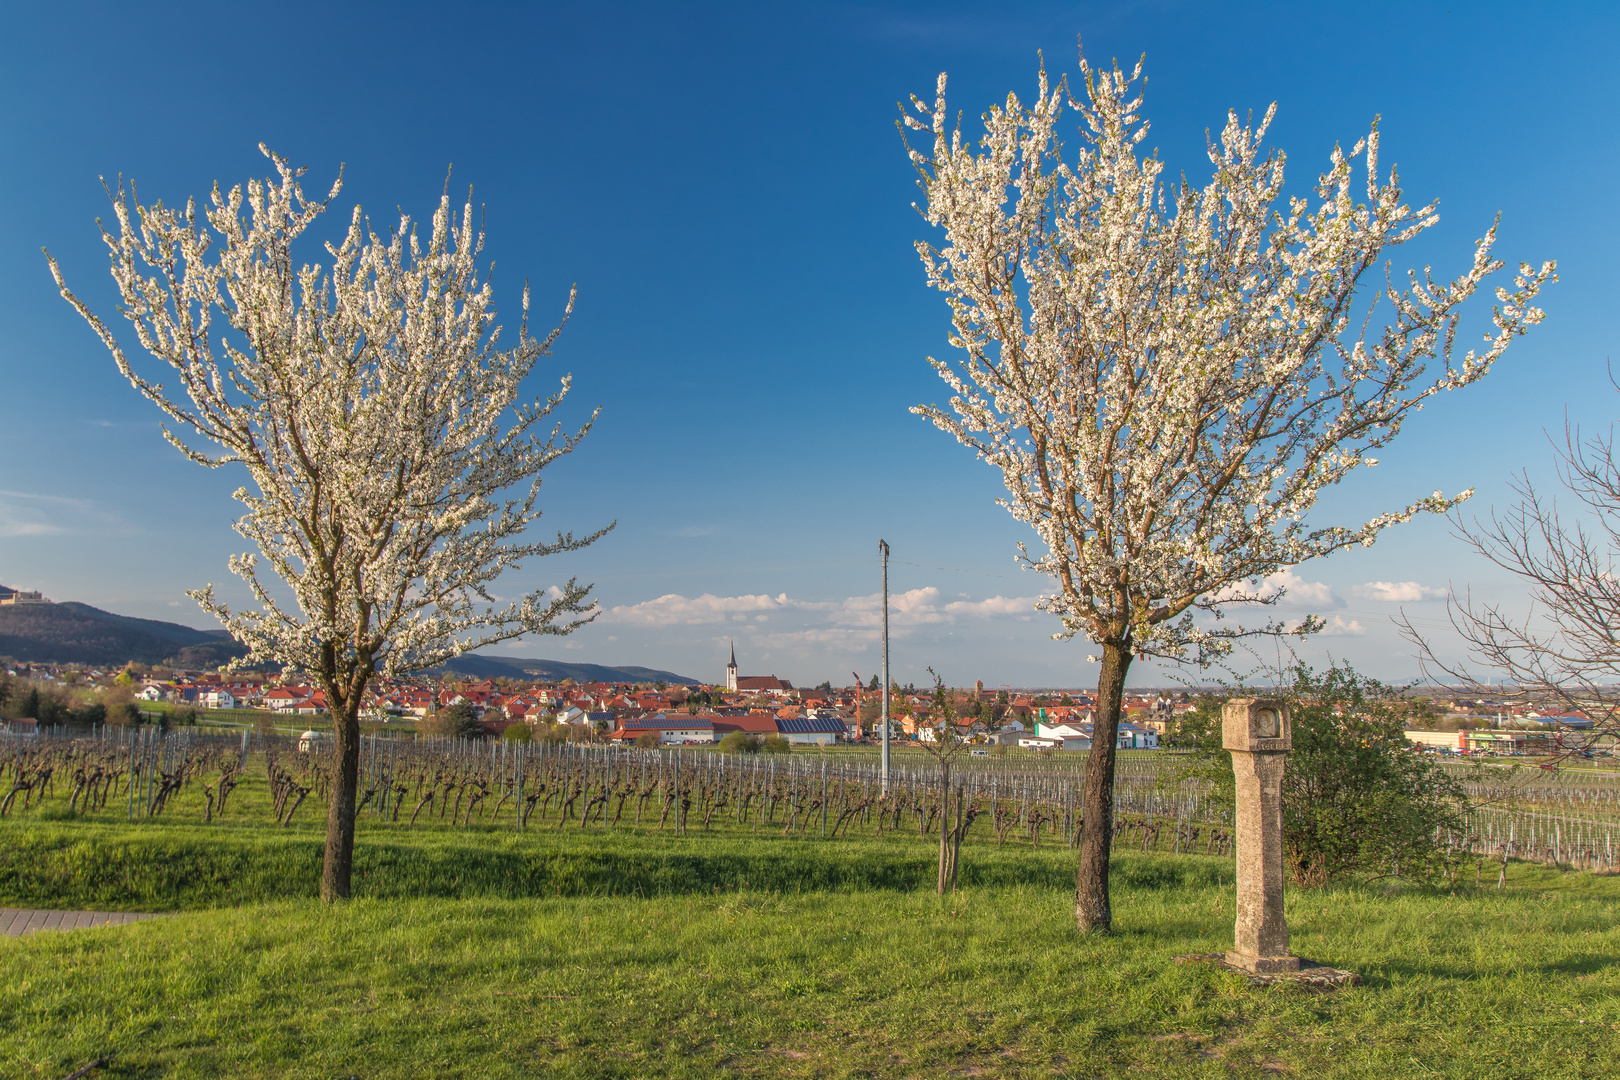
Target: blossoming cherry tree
[(394, 466), (1168, 376)]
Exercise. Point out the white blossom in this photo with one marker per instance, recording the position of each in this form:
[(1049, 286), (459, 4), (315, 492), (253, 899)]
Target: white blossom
[(1168, 376), (374, 412)]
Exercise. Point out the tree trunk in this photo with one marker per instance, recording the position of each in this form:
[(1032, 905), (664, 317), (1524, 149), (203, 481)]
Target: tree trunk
[(944, 822), (1091, 908), (956, 835), (340, 810)]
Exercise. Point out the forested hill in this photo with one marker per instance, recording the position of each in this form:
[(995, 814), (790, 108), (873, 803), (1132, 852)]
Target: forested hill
[(518, 667), (72, 633)]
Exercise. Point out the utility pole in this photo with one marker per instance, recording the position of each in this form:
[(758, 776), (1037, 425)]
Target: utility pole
[(883, 549)]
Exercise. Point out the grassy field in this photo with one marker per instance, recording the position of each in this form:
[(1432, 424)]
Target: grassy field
[(481, 952)]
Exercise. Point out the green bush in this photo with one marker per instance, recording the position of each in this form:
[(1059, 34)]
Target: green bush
[(740, 742), (54, 712), (1359, 800), (456, 721)]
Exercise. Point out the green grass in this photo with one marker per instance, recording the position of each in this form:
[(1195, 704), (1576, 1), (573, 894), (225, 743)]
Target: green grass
[(881, 983), (486, 953), (55, 861)]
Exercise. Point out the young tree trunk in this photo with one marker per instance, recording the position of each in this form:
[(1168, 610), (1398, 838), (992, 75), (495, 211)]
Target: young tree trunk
[(956, 836), (340, 811), (1091, 908), (944, 823)]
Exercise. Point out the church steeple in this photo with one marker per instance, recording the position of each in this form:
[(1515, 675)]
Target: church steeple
[(731, 668)]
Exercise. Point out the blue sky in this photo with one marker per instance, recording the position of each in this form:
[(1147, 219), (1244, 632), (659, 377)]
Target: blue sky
[(726, 186)]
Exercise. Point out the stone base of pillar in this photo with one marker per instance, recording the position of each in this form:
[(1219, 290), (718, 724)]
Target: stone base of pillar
[(1262, 965), (1303, 973)]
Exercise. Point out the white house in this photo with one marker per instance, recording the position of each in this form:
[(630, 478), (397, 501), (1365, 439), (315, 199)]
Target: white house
[(286, 699), (895, 731), (1131, 736), (1136, 737), (671, 730), (813, 730), (1038, 742), (1049, 730)]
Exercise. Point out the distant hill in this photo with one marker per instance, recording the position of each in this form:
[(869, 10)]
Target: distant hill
[(72, 633), (517, 667)]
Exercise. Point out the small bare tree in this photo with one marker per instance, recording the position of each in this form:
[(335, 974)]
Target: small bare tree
[(1564, 648), (379, 421), (944, 746), (1168, 377)]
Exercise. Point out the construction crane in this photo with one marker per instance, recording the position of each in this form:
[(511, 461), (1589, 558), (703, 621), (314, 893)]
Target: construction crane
[(857, 703)]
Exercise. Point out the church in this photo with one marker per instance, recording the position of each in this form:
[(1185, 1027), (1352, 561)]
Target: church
[(753, 684)]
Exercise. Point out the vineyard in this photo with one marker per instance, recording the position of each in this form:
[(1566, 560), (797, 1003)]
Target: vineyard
[(425, 782), (1567, 818), (1557, 818)]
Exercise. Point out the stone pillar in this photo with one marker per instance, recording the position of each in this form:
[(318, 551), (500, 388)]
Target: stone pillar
[(1259, 734)]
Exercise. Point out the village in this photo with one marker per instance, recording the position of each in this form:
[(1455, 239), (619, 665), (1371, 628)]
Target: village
[(758, 707), (644, 713)]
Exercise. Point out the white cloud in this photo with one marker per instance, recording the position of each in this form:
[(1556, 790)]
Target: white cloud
[(995, 605), (1396, 592), (1299, 592), (858, 616), (22, 514), (1339, 626), (673, 609)]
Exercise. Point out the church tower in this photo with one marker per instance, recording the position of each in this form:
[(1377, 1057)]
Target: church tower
[(731, 669)]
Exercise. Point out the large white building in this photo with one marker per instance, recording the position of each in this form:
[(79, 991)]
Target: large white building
[(1078, 736)]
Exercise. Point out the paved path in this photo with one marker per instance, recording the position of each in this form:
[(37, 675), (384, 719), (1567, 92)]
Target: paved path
[(15, 922)]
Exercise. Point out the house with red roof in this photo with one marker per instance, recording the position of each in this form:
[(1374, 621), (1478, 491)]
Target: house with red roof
[(286, 699), (670, 730), (757, 722)]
